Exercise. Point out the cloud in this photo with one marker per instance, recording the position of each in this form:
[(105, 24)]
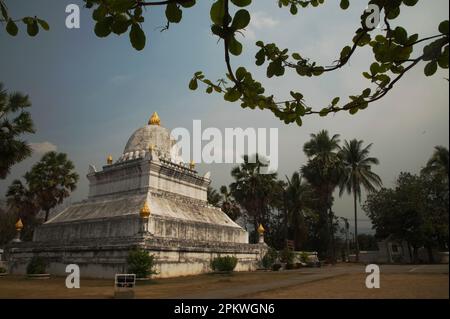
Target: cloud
[(44, 147), (260, 21)]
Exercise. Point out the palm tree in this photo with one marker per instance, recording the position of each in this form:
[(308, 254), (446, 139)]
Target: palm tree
[(438, 163), (321, 146), (51, 180), (255, 192), (297, 197), (213, 197), (323, 172), (357, 172), (21, 203), (229, 204), (14, 122)]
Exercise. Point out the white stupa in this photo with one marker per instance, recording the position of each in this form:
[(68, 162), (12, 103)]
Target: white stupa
[(147, 198)]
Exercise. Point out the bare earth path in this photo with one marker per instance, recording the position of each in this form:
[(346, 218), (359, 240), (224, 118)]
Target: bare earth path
[(341, 281)]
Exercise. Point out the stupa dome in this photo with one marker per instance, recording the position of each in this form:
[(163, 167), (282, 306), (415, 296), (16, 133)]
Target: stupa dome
[(151, 137)]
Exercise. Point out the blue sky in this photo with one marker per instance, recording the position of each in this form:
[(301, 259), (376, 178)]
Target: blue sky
[(90, 94)]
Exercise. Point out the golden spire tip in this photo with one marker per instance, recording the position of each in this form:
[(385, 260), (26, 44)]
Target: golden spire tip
[(154, 120)]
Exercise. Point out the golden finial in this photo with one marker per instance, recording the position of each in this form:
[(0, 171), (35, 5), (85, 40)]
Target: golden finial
[(19, 225), (154, 120), (145, 211), (261, 229), (151, 148), (109, 160), (192, 164)]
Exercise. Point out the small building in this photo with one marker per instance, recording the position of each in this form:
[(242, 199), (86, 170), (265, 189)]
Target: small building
[(391, 251)]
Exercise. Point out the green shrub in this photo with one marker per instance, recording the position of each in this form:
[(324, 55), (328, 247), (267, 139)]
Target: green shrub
[(287, 256), (227, 263), (269, 258), (2, 270), (140, 263), (36, 266), (276, 267), (304, 257)]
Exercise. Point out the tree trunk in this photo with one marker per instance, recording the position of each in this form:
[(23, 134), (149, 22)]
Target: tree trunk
[(286, 224), (333, 246), (415, 254), (356, 227), (430, 254), (46, 215), (411, 261)]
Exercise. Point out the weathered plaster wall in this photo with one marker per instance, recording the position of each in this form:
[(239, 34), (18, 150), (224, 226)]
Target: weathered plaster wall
[(96, 260)]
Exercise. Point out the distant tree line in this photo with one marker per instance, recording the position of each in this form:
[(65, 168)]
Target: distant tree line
[(299, 208), (416, 209)]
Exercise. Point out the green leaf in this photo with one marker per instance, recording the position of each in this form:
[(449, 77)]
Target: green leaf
[(137, 37), (218, 12), (410, 3), (345, 4), (103, 28), (431, 68), (400, 35), (241, 20), (293, 9), (443, 27), (235, 47), (241, 3), (232, 95), (44, 25), (193, 85), (374, 68), (32, 28), (173, 13), (120, 24), (121, 5), (11, 28)]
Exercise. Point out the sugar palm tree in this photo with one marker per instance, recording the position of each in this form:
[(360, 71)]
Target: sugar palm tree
[(51, 180), (229, 204), (213, 197), (438, 163), (14, 122), (357, 173), (254, 191)]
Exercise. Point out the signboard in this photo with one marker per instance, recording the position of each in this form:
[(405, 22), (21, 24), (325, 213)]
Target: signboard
[(290, 244), (124, 286), (125, 281)]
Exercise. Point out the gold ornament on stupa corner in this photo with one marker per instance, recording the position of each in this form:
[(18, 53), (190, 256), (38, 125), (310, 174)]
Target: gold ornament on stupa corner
[(261, 229), (19, 225), (192, 164), (154, 120), (145, 211), (109, 160)]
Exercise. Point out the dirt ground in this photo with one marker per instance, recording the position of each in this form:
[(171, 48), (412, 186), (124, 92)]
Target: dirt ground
[(392, 286), (335, 282)]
